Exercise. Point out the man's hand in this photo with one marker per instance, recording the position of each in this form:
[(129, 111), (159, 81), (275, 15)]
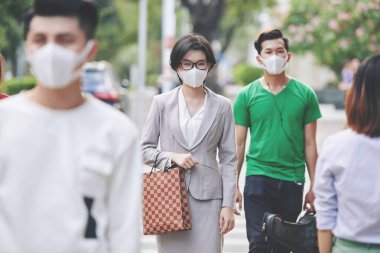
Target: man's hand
[(239, 201), (309, 201), (226, 220), (186, 161)]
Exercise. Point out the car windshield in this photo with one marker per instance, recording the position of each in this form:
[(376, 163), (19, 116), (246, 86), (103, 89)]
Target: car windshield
[(92, 78)]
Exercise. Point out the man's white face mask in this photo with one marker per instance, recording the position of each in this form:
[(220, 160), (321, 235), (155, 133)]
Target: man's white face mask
[(274, 64), (54, 65)]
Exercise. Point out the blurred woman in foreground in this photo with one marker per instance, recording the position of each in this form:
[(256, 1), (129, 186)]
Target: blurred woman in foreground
[(347, 188)]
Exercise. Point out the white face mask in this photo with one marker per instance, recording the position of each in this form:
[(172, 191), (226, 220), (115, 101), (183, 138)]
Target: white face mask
[(193, 77), (274, 64), (54, 66)]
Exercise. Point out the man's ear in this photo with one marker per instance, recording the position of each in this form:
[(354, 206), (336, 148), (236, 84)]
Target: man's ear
[(289, 57), (94, 51), (259, 60)]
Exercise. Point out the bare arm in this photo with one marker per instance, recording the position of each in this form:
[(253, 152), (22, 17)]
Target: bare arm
[(311, 156), (325, 238), (241, 137)]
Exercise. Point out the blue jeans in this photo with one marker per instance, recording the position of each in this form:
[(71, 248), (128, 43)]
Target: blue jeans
[(264, 194)]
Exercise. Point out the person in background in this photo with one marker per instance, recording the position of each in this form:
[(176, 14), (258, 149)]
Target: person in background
[(193, 127), (348, 73), (346, 187), (281, 114), (2, 70), (70, 165)]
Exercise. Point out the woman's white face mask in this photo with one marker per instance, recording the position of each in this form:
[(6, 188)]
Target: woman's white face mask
[(274, 64), (55, 66), (194, 77)]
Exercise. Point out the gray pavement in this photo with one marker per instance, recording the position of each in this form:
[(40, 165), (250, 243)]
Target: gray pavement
[(234, 242)]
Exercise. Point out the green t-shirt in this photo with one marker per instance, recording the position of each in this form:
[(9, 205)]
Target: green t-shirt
[(276, 124)]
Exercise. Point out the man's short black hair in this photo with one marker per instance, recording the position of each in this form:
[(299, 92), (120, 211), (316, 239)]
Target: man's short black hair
[(84, 10), (270, 35)]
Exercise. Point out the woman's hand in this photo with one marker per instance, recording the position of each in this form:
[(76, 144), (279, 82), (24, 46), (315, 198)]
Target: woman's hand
[(325, 241), (226, 220), (186, 161)]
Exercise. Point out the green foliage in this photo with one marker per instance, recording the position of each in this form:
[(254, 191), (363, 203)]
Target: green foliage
[(111, 32), (334, 31), (118, 33), (118, 29), (237, 14), (17, 85), (245, 73), (11, 32), (151, 79)]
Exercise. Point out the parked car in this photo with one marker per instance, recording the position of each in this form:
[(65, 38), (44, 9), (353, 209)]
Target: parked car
[(100, 80)]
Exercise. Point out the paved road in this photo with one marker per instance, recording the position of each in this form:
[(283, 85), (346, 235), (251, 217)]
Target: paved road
[(234, 242)]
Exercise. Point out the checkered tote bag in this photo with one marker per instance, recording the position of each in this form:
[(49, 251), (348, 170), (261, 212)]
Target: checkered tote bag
[(165, 203)]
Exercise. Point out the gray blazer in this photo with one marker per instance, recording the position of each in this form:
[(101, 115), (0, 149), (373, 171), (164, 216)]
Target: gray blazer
[(216, 137)]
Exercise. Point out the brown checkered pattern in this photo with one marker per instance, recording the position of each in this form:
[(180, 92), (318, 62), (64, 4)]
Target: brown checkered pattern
[(165, 203)]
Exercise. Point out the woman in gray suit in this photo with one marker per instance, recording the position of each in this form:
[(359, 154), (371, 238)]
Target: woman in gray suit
[(194, 128)]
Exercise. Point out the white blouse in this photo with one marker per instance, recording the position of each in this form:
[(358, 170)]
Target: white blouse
[(189, 125), (347, 189)]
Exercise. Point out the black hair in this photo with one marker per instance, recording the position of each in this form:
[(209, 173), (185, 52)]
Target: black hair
[(270, 35), (362, 100), (84, 10), (191, 42)]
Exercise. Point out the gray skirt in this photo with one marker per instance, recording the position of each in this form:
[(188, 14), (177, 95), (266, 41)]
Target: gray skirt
[(205, 235)]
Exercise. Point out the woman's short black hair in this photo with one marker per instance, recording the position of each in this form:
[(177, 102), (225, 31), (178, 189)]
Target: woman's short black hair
[(84, 10), (270, 35), (362, 101), (191, 42)]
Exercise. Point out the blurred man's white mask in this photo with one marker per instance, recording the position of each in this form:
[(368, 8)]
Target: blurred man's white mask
[(55, 67)]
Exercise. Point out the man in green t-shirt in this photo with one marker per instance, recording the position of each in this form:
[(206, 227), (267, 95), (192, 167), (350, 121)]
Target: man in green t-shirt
[(280, 113)]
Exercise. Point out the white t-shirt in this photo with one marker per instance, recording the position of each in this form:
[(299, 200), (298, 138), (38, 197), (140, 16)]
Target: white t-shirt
[(51, 161)]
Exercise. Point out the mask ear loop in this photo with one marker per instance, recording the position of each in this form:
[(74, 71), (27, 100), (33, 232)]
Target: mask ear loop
[(286, 63), (180, 76), (261, 62), (82, 55)]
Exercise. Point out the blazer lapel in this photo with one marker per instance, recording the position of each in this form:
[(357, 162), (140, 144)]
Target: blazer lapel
[(212, 107), (172, 116)]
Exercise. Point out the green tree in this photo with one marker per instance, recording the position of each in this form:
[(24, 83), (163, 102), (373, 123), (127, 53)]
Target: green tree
[(11, 32), (334, 30), (117, 32), (220, 19), (118, 35)]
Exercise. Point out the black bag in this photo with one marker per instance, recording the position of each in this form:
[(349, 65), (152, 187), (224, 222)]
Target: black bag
[(299, 237)]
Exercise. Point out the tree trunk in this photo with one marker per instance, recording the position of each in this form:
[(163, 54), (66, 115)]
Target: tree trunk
[(205, 16)]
